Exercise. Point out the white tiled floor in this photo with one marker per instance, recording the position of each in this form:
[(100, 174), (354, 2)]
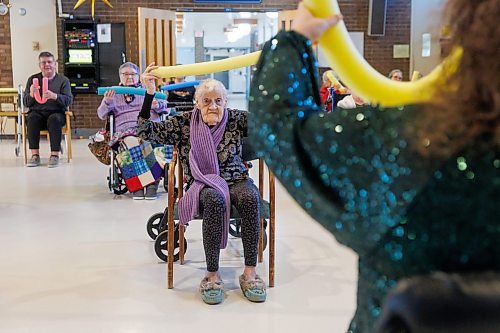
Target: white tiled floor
[(75, 258)]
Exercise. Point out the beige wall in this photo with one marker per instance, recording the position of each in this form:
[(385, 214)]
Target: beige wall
[(38, 25), (425, 18)]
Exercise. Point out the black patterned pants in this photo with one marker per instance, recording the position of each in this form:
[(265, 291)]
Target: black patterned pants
[(37, 121), (245, 197)]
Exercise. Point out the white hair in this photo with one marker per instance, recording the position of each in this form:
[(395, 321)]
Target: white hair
[(128, 65), (210, 85)]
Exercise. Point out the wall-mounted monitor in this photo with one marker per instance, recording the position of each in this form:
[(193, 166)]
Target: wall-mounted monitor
[(80, 56)]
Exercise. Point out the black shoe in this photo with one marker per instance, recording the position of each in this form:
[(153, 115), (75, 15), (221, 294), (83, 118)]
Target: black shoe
[(150, 192)]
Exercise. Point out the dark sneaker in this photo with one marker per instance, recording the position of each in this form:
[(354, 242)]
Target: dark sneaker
[(34, 161), (138, 195), (150, 192), (53, 161)]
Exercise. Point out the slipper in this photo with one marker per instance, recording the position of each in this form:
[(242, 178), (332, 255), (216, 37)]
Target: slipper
[(212, 292), (254, 290)]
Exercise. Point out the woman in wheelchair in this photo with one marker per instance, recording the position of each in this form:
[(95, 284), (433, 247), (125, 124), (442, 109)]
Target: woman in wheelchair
[(125, 109), (413, 190), (209, 141)]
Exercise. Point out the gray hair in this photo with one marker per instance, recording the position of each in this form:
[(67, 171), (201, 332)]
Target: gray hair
[(325, 75), (128, 65), (394, 71), (46, 54), (210, 85)]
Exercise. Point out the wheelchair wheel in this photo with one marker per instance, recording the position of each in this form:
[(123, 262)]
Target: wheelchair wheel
[(110, 182), (161, 243), (117, 185), (235, 229), (265, 235), (265, 238), (153, 226)]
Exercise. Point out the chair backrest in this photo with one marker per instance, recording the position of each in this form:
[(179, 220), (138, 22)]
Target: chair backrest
[(181, 106), (248, 153)]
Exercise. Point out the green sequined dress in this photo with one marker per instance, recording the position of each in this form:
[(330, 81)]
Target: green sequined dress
[(355, 173)]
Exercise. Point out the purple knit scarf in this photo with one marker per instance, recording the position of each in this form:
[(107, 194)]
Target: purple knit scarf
[(204, 166)]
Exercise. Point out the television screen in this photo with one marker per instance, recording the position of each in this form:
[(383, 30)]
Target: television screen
[(80, 56)]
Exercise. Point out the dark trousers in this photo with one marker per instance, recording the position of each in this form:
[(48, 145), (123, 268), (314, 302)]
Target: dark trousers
[(37, 121), (246, 198)]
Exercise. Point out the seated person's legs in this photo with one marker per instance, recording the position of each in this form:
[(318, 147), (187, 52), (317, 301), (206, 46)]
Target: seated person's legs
[(245, 196), (35, 122), (55, 123), (213, 206)]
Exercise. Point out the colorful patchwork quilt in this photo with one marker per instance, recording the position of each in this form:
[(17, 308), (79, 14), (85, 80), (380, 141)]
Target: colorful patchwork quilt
[(138, 163), (163, 154)]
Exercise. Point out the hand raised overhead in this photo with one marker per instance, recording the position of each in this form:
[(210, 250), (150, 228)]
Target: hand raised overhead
[(148, 79)]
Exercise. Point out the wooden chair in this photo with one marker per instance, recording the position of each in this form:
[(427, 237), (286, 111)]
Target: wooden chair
[(13, 95), (267, 213), (66, 131)]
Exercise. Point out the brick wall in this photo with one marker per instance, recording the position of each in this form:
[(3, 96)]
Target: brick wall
[(378, 50)]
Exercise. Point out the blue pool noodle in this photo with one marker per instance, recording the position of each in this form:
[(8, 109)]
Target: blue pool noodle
[(180, 85), (129, 91)]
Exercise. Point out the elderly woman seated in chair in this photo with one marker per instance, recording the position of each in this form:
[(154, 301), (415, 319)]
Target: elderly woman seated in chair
[(125, 108), (209, 143)]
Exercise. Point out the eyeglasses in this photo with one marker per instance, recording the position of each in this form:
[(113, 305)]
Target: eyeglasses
[(208, 101), (129, 74)]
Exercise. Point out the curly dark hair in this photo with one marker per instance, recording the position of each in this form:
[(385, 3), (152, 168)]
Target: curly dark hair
[(459, 117)]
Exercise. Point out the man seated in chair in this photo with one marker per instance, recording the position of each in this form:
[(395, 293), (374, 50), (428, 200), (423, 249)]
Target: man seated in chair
[(48, 96), (209, 143)]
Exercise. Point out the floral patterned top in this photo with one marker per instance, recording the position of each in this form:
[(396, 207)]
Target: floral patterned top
[(174, 130)]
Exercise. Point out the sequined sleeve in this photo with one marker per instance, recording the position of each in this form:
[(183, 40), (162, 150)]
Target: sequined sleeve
[(348, 169)]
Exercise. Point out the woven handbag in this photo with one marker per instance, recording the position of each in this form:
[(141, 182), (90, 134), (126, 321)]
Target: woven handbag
[(100, 149)]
